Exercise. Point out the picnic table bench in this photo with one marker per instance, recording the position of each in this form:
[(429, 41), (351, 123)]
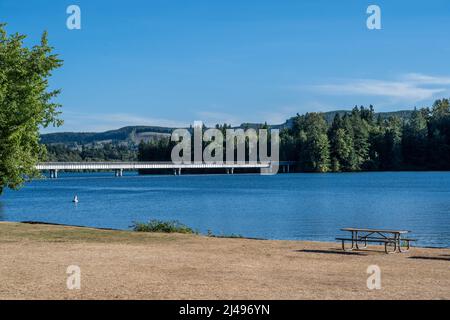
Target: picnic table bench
[(393, 240)]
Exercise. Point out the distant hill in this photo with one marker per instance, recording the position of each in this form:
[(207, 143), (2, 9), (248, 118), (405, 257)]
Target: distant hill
[(132, 134), (135, 134)]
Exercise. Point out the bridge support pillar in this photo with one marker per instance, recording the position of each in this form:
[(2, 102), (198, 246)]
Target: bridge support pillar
[(53, 174), (179, 171), (232, 170), (287, 169), (119, 172)]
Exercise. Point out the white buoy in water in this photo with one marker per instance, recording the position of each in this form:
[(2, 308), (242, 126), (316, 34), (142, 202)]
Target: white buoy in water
[(75, 199)]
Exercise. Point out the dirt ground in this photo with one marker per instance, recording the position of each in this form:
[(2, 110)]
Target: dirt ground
[(129, 265)]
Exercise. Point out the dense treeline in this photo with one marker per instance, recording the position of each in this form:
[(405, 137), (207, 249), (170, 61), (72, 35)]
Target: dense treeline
[(159, 150), (105, 152), (360, 141)]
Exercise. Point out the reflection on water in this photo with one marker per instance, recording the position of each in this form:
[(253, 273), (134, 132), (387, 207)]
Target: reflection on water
[(285, 206)]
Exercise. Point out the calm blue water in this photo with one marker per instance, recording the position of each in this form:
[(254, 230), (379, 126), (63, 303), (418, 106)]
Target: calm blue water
[(285, 206)]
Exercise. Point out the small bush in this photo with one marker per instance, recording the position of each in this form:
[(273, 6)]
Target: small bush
[(162, 226)]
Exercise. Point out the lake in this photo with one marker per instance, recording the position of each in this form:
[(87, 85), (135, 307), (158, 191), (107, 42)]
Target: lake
[(285, 206)]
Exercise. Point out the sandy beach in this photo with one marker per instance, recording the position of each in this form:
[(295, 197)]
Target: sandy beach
[(131, 265)]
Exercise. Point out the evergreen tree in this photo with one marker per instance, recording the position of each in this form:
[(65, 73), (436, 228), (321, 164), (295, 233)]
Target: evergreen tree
[(313, 141), (361, 129), (341, 146), (439, 135), (414, 141), (391, 157)]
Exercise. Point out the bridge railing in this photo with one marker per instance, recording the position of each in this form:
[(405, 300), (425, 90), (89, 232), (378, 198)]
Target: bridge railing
[(146, 165), (158, 162)]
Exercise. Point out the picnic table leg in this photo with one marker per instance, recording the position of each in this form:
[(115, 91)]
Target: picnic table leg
[(361, 239), (400, 245), (343, 246), (352, 239), (355, 240), (386, 245)]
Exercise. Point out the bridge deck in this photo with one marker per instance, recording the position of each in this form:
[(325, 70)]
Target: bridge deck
[(149, 165)]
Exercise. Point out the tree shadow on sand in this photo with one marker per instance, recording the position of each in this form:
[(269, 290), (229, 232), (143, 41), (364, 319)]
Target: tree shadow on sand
[(333, 251), (444, 257)]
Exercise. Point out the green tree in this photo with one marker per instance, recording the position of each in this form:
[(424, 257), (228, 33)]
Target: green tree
[(341, 145), (441, 109), (376, 144), (361, 129), (287, 146), (25, 105), (313, 142), (341, 150), (158, 150), (439, 135), (415, 141), (392, 155)]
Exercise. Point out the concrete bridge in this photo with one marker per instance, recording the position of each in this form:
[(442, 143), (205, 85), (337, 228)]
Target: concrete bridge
[(119, 167)]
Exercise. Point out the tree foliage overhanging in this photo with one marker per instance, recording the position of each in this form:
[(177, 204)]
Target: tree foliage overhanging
[(25, 105)]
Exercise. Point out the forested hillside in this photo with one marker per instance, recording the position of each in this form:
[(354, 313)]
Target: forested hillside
[(126, 134), (361, 140)]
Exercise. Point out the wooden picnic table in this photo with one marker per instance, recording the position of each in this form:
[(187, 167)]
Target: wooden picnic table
[(392, 239)]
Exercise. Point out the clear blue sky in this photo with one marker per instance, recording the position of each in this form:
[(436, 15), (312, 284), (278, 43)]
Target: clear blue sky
[(172, 62)]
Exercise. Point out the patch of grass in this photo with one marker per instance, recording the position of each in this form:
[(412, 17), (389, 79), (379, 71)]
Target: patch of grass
[(162, 226), (16, 232)]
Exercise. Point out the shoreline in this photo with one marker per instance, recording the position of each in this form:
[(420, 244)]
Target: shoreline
[(136, 265), (199, 234)]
